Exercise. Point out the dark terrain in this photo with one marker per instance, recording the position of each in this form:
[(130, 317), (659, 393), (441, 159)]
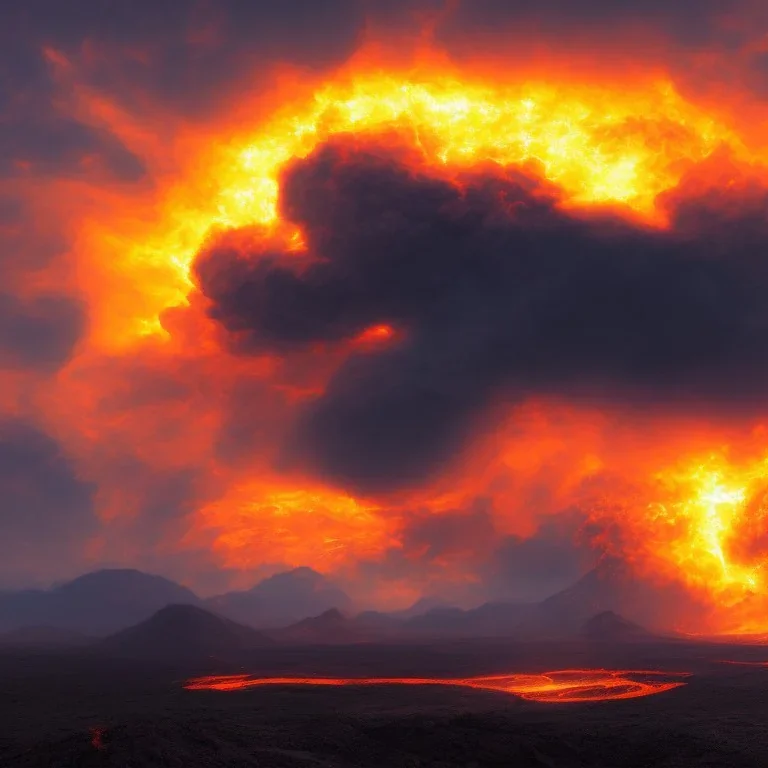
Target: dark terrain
[(89, 707)]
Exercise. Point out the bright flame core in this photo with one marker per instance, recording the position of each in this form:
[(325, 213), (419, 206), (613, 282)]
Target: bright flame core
[(705, 525), (711, 518)]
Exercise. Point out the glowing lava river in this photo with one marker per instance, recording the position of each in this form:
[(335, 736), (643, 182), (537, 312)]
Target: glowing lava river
[(570, 685)]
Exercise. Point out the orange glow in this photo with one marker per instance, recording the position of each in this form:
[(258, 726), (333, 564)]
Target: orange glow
[(149, 391), (625, 154), (702, 522), (561, 687), (298, 526)]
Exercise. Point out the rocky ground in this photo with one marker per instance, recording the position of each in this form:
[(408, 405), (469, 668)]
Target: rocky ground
[(83, 709)]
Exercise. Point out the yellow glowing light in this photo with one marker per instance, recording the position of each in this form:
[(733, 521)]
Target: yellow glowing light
[(598, 145)]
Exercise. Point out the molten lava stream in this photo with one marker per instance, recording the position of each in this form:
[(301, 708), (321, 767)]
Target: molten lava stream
[(570, 685)]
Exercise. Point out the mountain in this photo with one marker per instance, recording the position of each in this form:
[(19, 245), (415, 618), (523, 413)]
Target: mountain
[(44, 637), (612, 586), (97, 603), (608, 587), (394, 620), (422, 606), (609, 601), (329, 628), (185, 631), (282, 599), (610, 627)]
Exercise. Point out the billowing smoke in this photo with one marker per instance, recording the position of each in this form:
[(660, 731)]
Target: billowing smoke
[(438, 298), (499, 294)]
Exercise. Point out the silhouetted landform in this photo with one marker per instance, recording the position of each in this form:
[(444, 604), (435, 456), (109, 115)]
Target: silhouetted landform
[(97, 603), (329, 628), (282, 599), (609, 627), (107, 601), (612, 586), (394, 620), (421, 606), (44, 637), (186, 631), (609, 587)]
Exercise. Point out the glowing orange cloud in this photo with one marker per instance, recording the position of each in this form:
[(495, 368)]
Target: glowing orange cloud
[(703, 522), (297, 524), (692, 514), (599, 145)]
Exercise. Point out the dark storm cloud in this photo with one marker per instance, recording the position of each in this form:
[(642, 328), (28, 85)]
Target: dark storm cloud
[(187, 52), (687, 22), (47, 511), (39, 333), (499, 294)]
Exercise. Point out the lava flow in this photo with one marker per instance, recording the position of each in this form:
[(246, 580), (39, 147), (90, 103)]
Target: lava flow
[(564, 686)]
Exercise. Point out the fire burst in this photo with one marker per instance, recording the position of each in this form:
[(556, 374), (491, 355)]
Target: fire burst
[(705, 525)]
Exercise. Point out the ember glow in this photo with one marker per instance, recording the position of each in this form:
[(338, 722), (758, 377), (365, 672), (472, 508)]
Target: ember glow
[(97, 738), (402, 315), (562, 687)]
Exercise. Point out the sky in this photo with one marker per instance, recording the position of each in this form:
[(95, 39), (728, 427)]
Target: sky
[(450, 298)]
